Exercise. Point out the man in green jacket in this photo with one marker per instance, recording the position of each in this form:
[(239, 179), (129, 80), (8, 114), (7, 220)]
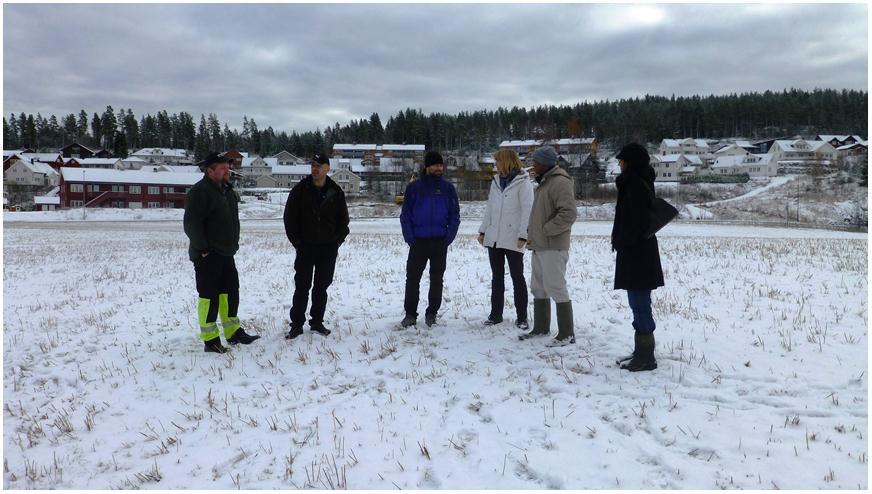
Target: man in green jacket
[(212, 225)]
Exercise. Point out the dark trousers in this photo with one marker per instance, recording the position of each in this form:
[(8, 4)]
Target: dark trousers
[(498, 258), (423, 250), (640, 304), (318, 262), (216, 274)]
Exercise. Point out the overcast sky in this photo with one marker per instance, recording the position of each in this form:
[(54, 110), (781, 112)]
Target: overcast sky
[(297, 67)]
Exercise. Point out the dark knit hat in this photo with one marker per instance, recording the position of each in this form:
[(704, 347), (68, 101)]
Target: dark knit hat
[(545, 155), (432, 158), (634, 154), (321, 159)]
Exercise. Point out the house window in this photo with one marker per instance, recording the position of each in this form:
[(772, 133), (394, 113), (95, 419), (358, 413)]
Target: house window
[(75, 204), (75, 187), (117, 204), (117, 188), (169, 190), (135, 189), (94, 188), (153, 204), (153, 190)]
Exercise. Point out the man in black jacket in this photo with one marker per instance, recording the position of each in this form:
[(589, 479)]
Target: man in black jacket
[(316, 222), (211, 223)]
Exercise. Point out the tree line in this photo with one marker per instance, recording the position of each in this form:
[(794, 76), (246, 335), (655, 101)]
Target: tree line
[(645, 119)]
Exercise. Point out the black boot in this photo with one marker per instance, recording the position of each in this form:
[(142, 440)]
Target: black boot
[(430, 319), (643, 358), (565, 323), (319, 328), (294, 332), (240, 336), (409, 320), (624, 359), (492, 320), (214, 346), (541, 319)]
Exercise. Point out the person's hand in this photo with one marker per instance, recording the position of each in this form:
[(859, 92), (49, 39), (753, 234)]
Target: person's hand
[(521, 243), (481, 239)]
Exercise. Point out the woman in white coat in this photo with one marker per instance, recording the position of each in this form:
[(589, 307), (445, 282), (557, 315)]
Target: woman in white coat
[(504, 233)]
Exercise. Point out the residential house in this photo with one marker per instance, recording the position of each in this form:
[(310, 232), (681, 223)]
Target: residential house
[(163, 156), (77, 150), (667, 167), (753, 165), (48, 202), (32, 173), (105, 163), (287, 158), (839, 140), (347, 180), (683, 146), (124, 188), (802, 153), (253, 167)]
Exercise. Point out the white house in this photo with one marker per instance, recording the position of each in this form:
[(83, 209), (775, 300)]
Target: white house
[(731, 150), (162, 155), (667, 167), (753, 165), (253, 167), (106, 163), (802, 152), (683, 146), (24, 172), (347, 180), (287, 158), (287, 176), (354, 164)]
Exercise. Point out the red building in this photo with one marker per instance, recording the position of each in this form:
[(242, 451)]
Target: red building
[(99, 187)]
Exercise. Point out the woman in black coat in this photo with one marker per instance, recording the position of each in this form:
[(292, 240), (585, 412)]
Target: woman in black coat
[(637, 267)]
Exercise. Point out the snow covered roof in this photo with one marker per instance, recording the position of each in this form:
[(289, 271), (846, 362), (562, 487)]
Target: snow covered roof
[(688, 169), (354, 147), (98, 161), (41, 156), (402, 147), (9, 152), (38, 167), (745, 144), (179, 169), (291, 169), (133, 159), (47, 200), (666, 158), (684, 142), (176, 153), (101, 175), (851, 146), (538, 142), (839, 138), (730, 147), (354, 164), (791, 145)]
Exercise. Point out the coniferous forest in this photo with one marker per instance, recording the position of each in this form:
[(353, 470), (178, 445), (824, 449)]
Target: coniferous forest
[(645, 119)]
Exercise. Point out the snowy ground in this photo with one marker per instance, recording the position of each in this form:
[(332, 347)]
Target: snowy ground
[(762, 384)]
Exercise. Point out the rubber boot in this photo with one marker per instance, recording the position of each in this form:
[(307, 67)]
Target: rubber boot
[(643, 358), (541, 319), (565, 323)]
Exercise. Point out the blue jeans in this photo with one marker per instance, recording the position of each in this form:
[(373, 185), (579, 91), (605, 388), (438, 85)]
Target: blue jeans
[(640, 304)]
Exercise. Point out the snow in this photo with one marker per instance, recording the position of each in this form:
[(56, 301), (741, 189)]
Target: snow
[(761, 343), (101, 175)]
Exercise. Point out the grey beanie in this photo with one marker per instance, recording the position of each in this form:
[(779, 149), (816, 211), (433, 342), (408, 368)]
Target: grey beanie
[(545, 155)]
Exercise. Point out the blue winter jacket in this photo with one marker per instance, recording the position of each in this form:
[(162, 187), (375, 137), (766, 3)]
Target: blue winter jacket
[(430, 210)]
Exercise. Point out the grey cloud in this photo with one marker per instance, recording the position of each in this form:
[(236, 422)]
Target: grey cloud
[(297, 67)]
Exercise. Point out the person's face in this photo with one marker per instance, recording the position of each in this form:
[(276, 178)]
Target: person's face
[(539, 168), (319, 171), (219, 172), (436, 170), (622, 164)]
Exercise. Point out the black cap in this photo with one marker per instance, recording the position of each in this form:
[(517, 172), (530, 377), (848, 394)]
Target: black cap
[(211, 159), (634, 154), (321, 159)]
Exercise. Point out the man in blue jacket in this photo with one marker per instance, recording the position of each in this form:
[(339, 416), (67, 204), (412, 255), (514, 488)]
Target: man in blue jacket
[(430, 218)]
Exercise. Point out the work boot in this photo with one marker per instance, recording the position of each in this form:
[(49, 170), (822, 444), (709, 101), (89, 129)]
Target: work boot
[(430, 319), (296, 330), (541, 319), (240, 336), (643, 358), (409, 320), (214, 346), (319, 328)]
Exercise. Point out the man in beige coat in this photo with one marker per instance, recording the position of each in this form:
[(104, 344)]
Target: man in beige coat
[(551, 220)]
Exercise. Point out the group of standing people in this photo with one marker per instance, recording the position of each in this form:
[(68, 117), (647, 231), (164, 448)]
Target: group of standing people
[(522, 213)]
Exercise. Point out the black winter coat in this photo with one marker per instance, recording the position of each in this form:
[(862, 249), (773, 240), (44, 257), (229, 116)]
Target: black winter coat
[(311, 220), (211, 219), (637, 266)]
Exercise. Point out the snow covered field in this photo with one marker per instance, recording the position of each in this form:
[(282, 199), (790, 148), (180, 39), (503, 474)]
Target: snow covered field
[(762, 347)]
